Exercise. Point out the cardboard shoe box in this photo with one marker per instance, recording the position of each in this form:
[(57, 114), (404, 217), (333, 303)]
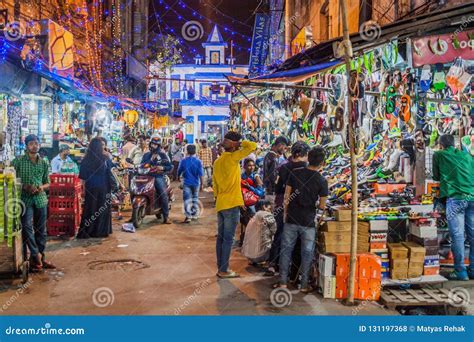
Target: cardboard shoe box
[(397, 251), (342, 214), (430, 270), (415, 251), (328, 286), (399, 274), (431, 260), (330, 238), (399, 264), (425, 241), (334, 248), (423, 231), (335, 226), (327, 265)]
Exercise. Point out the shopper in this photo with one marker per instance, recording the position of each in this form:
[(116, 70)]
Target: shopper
[(298, 159), (205, 155), (33, 173), (259, 234), (251, 181), (305, 188), (271, 163), (62, 163), (454, 169), (95, 172), (191, 170), (226, 185), (177, 154), (137, 153), (128, 146), (159, 161)]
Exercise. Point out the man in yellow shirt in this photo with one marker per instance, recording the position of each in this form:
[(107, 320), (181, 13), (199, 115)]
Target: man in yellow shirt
[(228, 194)]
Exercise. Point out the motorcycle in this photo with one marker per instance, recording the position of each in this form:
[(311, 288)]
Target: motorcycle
[(145, 200)]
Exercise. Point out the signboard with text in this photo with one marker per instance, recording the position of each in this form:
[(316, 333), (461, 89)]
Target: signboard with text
[(443, 48), (259, 49)]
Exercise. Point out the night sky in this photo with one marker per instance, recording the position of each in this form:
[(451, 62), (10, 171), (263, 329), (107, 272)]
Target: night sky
[(235, 19)]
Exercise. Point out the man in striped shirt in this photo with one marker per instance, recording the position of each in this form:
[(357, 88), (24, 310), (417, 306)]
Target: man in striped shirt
[(205, 155)]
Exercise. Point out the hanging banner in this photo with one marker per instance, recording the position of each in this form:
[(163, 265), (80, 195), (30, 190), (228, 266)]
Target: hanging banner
[(259, 49), (443, 48)]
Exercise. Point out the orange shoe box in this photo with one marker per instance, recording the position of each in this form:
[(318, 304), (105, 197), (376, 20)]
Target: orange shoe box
[(341, 287), (375, 286), (342, 264), (430, 270), (378, 245), (386, 188)]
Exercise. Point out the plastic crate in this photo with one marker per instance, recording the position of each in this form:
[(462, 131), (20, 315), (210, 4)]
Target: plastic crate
[(64, 205), (63, 225), (64, 180)]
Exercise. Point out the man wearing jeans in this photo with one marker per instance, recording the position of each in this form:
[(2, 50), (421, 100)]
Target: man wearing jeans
[(226, 185), (191, 169), (454, 169), (34, 174), (305, 188)]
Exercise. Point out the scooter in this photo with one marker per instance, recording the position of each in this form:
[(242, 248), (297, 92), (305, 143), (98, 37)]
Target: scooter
[(143, 195)]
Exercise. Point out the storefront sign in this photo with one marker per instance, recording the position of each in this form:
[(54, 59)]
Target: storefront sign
[(258, 52), (444, 48)]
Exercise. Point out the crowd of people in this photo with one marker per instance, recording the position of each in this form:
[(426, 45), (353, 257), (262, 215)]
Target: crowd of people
[(278, 200)]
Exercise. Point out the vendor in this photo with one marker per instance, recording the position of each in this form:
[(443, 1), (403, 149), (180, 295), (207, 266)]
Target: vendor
[(62, 163), (454, 169)]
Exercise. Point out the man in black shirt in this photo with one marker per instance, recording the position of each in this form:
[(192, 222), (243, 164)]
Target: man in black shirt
[(298, 159), (305, 188), (270, 165)]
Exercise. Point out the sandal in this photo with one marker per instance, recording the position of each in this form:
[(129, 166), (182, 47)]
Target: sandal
[(279, 286), (306, 290), (228, 275)]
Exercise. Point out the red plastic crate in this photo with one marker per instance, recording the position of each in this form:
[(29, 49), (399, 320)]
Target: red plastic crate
[(63, 225), (64, 205), (61, 180)]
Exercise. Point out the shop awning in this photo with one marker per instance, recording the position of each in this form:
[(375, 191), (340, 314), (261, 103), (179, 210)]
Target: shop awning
[(442, 21), (290, 76)]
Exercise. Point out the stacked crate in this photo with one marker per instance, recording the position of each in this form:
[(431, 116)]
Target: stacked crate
[(64, 206)]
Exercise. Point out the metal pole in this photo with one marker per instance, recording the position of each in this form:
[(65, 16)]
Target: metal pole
[(347, 58)]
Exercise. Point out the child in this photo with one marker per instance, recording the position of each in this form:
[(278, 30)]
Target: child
[(259, 234)]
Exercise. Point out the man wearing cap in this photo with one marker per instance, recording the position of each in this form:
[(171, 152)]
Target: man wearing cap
[(62, 163), (33, 172)]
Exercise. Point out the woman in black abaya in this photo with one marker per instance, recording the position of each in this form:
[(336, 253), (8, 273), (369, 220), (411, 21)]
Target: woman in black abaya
[(95, 170)]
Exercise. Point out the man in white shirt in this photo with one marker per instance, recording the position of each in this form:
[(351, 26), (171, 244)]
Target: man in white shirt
[(62, 162)]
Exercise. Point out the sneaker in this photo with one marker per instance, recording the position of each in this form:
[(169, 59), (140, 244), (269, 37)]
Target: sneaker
[(455, 275)]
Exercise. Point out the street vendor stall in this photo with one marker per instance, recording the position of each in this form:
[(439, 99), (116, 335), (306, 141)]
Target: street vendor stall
[(404, 90)]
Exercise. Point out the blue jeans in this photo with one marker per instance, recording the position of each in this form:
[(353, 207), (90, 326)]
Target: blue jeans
[(460, 216), (190, 201), (276, 244), (33, 221), (162, 196), (288, 241), (227, 221)]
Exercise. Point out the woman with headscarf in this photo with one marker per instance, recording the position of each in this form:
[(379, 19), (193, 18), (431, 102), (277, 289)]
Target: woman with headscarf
[(95, 171)]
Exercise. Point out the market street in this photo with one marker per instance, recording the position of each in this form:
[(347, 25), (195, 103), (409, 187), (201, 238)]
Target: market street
[(180, 278)]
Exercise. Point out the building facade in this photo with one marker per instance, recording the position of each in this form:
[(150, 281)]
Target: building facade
[(202, 89)]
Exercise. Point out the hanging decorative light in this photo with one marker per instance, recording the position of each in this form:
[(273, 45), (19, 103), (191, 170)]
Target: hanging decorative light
[(130, 117)]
